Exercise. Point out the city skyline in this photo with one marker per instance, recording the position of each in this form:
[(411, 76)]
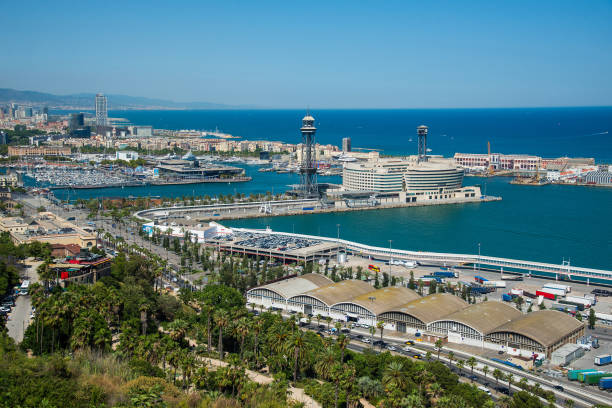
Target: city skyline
[(325, 56)]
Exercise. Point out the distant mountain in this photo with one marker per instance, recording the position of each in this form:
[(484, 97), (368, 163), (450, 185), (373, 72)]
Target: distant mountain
[(86, 101)]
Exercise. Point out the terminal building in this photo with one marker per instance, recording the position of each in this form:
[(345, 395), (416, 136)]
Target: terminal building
[(492, 325), (414, 179)]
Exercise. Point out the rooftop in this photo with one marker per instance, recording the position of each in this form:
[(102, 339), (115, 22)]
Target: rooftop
[(557, 325), (433, 307), (485, 317), (340, 291), (381, 300), (298, 285)]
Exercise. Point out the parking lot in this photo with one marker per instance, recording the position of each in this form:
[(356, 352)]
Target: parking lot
[(266, 241)]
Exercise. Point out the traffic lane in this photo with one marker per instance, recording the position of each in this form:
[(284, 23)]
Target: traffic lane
[(19, 318)]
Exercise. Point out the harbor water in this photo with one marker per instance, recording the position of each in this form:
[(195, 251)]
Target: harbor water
[(548, 223)]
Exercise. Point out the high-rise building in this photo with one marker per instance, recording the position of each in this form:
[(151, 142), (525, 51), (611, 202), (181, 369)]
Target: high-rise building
[(346, 144), (77, 120), (101, 110)]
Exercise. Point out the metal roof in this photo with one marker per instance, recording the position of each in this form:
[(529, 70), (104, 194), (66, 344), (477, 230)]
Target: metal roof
[(486, 316), (298, 285), (432, 307), (340, 291), (381, 300), (546, 327)]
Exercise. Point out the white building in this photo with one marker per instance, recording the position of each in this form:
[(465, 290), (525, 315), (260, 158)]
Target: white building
[(126, 155)]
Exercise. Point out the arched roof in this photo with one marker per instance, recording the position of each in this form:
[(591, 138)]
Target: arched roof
[(381, 300), (485, 317), (433, 307), (340, 291), (296, 286), (546, 327)]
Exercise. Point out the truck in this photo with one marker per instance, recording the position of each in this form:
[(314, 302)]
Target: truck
[(446, 274), (579, 300), (593, 378), (546, 295), (558, 292), (436, 278), (572, 375), (578, 306), (605, 383), (495, 284), (512, 277), (582, 375), (480, 279), (566, 288), (603, 359), (560, 306)]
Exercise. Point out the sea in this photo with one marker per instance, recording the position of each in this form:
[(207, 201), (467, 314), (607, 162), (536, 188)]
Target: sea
[(540, 223)]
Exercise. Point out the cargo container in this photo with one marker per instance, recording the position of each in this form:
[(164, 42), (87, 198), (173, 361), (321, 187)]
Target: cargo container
[(572, 375), (593, 378), (579, 300), (518, 292), (546, 295), (564, 307), (512, 277), (446, 274), (582, 375), (566, 288), (605, 383), (480, 279), (578, 306), (495, 284), (558, 292), (433, 277), (603, 359)]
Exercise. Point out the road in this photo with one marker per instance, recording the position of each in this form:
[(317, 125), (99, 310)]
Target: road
[(19, 318)]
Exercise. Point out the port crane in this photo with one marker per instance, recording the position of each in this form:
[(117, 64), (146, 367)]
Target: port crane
[(490, 168)]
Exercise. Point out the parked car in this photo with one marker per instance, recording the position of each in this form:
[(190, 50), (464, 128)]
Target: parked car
[(410, 342), (391, 347), (558, 387)]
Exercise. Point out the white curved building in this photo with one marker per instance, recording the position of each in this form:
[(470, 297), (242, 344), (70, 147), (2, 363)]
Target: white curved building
[(407, 180)]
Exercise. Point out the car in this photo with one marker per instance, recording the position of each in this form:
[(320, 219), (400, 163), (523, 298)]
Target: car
[(500, 352), (416, 355), (558, 387), (292, 312), (391, 347), (358, 336), (409, 342), (365, 340), (473, 377), (484, 389), (503, 390)]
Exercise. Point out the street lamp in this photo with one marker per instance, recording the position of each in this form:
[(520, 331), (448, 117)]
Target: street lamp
[(390, 258), (479, 257)]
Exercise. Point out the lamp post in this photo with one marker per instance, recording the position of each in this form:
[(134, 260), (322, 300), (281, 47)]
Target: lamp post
[(479, 257), (390, 258)]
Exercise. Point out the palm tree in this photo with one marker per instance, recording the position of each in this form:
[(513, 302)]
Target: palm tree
[(394, 376), (242, 329), (460, 364), (438, 345), (342, 341), (325, 360), (498, 375), (451, 357), (471, 362), (328, 319), (319, 317), (509, 378), (485, 371), (424, 377), (222, 320), (381, 326), (372, 331), (298, 344)]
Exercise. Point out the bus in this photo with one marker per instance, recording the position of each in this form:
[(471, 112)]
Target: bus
[(374, 268), (25, 287)]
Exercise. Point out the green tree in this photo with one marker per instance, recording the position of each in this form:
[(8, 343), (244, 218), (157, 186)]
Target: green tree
[(592, 319)]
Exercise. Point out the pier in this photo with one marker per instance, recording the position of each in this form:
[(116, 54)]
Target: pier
[(284, 208)]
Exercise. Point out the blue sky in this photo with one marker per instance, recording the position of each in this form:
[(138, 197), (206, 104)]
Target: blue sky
[(329, 54)]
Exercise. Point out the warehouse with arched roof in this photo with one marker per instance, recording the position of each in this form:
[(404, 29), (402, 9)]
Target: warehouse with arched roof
[(319, 301), (540, 332), (276, 294), (418, 313), (368, 306), (471, 324)]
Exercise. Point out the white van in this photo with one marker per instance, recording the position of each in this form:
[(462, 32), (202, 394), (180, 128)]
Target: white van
[(484, 389)]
